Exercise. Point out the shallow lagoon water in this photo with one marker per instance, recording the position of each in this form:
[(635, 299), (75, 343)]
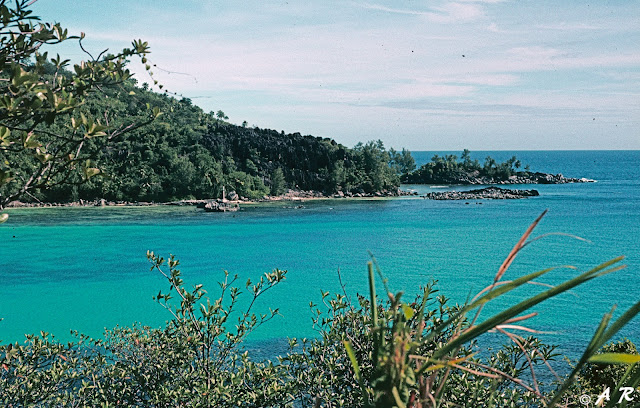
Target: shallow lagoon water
[(86, 269)]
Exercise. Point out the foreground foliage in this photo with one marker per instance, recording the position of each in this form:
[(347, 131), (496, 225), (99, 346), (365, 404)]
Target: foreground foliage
[(192, 361), (369, 353)]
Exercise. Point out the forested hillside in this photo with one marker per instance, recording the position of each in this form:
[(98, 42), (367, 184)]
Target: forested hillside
[(188, 153)]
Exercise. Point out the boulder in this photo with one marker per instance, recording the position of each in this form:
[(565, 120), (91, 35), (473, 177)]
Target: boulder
[(218, 206), (233, 196)]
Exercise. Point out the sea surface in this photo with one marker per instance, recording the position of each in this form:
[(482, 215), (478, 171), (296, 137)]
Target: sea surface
[(85, 269)]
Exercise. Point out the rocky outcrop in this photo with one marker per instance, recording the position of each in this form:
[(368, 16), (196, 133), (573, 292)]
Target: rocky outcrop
[(542, 178), (473, 178), (220, 206), (495, 193), (383, 193), (233, 196)]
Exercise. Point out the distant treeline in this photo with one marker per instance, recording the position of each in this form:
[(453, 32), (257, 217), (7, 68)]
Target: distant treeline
[(449, 170), (187, 153)]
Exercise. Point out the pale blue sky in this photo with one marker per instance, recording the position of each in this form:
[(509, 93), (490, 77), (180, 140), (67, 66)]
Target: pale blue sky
[(426, 75)]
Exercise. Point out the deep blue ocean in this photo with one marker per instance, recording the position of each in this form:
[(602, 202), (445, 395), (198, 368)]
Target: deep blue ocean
[(86, 269)]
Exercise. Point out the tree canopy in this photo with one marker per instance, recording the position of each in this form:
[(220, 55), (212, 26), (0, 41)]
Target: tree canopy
[(449, 170)]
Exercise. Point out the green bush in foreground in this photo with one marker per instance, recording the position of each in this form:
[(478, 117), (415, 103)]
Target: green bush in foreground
[(421, 353), (193, 361)]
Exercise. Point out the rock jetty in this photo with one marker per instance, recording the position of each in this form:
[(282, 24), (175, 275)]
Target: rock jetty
[(494, 193)]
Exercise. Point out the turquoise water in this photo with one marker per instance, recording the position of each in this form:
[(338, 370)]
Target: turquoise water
[(86, 269)]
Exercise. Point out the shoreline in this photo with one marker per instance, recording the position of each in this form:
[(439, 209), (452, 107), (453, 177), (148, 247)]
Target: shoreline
[(308, 195), (289, 196)]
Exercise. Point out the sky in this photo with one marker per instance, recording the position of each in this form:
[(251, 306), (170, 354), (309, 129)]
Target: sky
[(425, 75)]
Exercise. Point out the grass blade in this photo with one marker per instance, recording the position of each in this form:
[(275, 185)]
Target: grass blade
[(356, 371), (601, 336), (525, 305), (519, 245), (497, 291), (615, 358)]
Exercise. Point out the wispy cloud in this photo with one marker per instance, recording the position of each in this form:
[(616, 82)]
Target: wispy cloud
[(482, 1), (493, 27), (564, 26), (394, 69), (456, 12), (535, 53), (393, 10), (624, 76), (449, 12), (486, 79)]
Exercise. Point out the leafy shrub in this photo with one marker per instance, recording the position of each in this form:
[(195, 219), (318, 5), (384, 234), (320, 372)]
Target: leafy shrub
[(195, 360), (369, 353), (411, 355)]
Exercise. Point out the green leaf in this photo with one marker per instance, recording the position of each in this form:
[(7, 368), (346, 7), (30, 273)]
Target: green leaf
[(4, 136), (42, 155), (396, 397), (5, 177), (408, 311), (30, 141), (92, 171)]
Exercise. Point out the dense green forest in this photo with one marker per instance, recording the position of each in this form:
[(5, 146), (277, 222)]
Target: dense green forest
[(187, 153)]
